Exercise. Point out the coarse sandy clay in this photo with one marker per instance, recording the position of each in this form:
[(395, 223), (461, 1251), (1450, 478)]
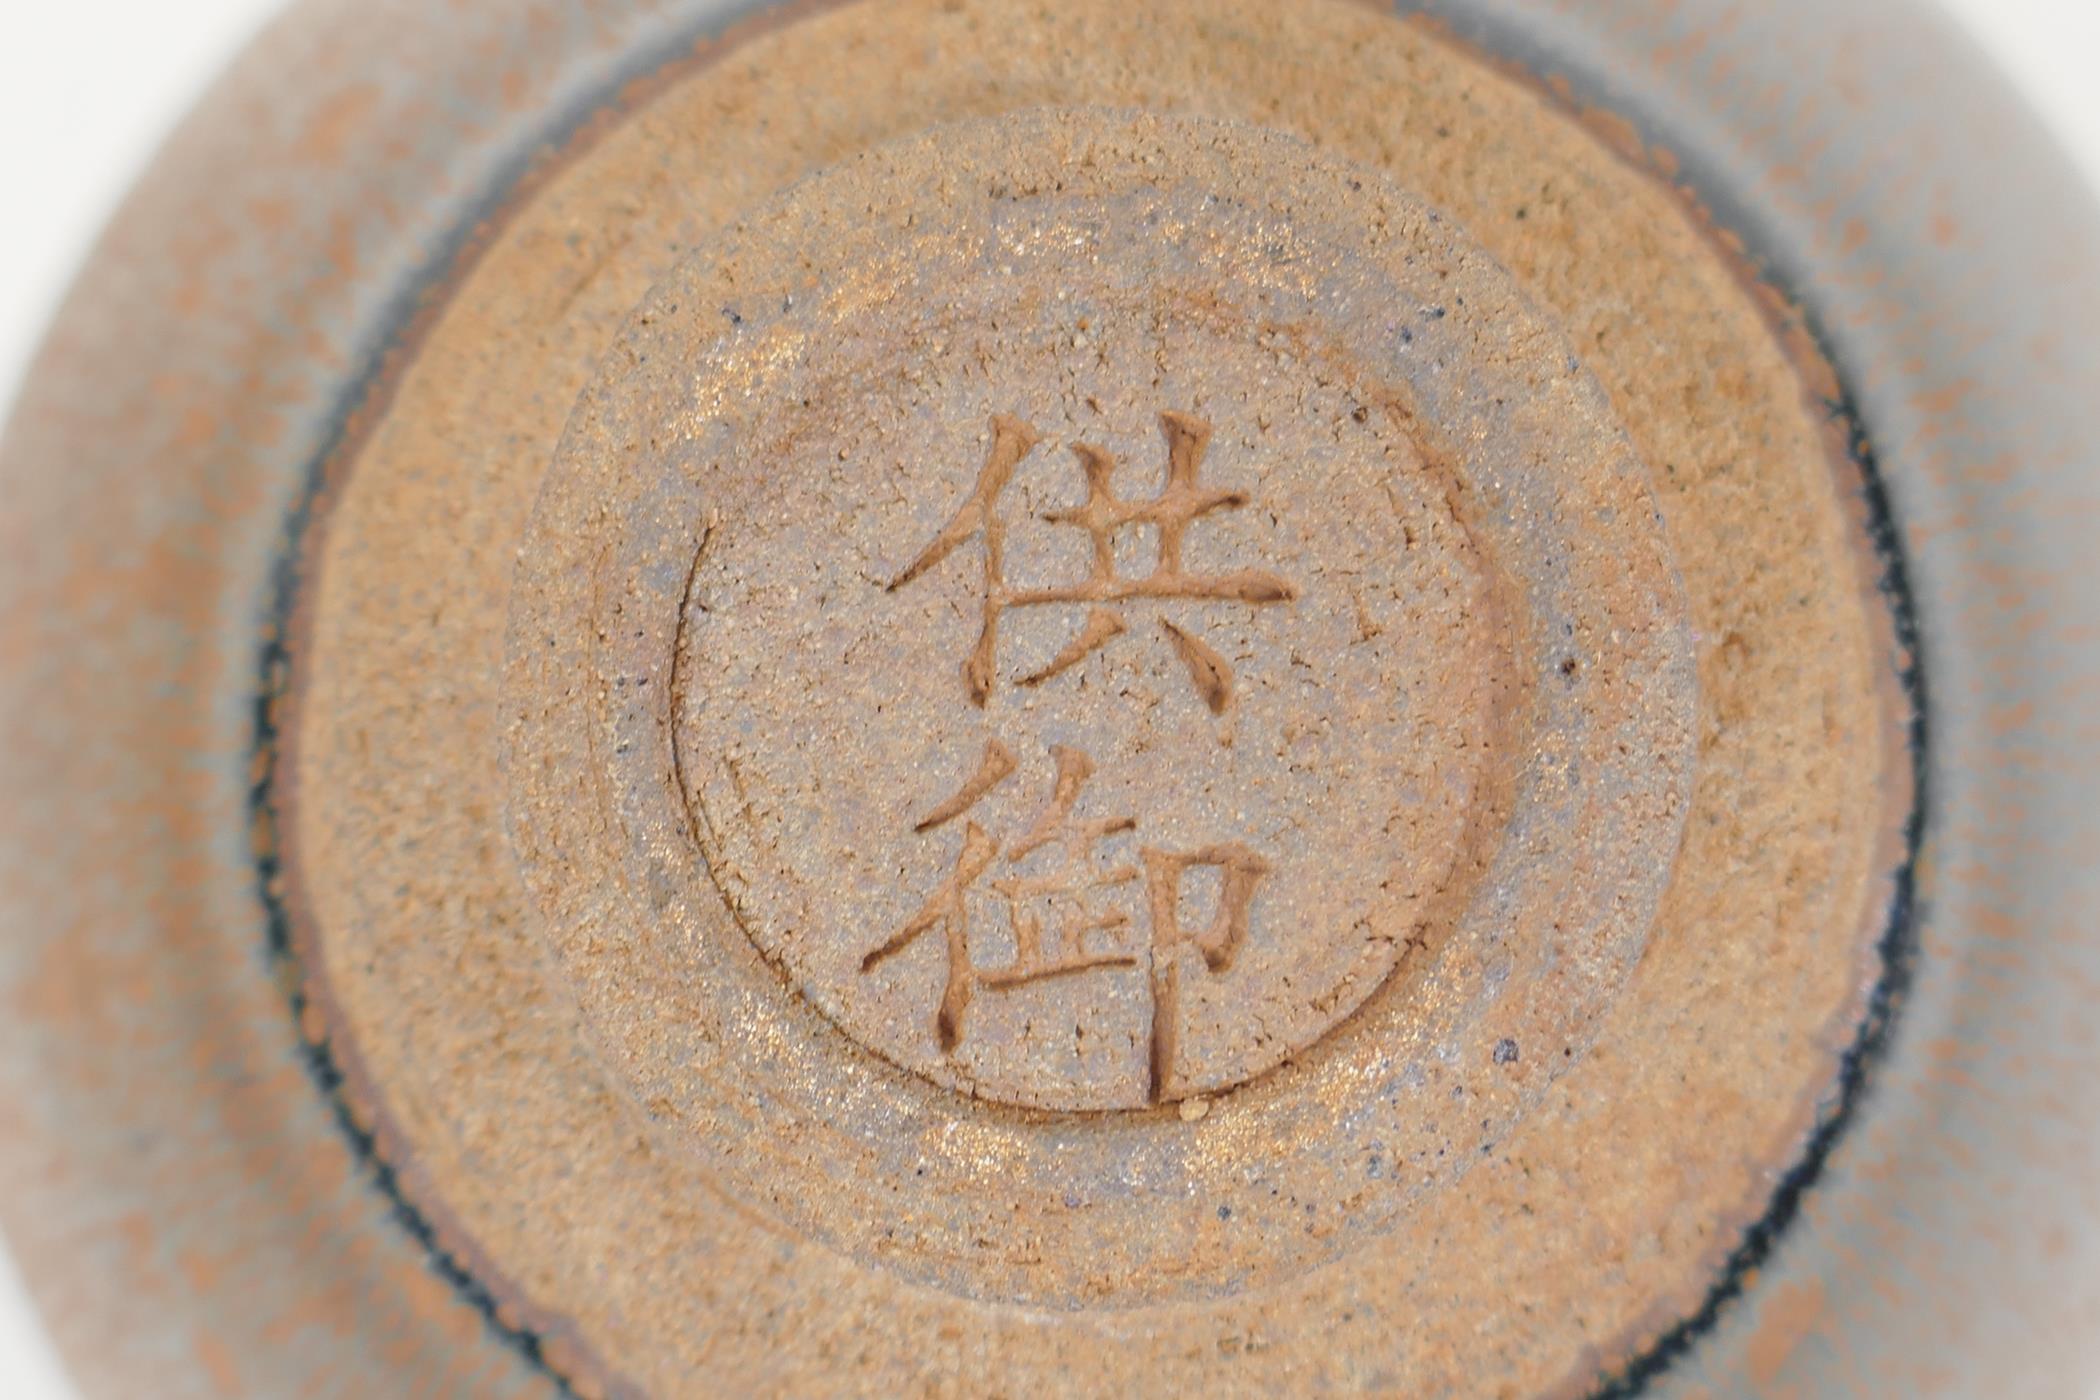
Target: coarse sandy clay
[(1034, 701)]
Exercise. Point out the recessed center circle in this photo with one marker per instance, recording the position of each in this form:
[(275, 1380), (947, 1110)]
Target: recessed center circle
[(1092, 612), (1075, 741)]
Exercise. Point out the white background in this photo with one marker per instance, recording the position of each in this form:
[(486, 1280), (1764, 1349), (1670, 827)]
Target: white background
[(87, 87)]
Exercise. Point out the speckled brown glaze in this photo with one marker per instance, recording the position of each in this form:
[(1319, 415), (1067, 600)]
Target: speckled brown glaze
[(579, 1181)]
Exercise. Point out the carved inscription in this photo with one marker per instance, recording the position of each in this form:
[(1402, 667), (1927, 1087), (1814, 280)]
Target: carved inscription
[(1074, 905), (1182, 501), (1065, 913), (1064, 891)]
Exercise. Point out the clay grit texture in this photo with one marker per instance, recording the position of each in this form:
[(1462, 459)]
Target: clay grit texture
[(489, 1055), (1418, 858)]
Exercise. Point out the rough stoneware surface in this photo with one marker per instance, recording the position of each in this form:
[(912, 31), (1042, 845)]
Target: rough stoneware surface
[(161, 1129), (570, 1022), (1505, 856)]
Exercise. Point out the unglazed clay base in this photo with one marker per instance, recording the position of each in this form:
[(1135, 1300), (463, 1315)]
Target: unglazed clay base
[(1034, 703)]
